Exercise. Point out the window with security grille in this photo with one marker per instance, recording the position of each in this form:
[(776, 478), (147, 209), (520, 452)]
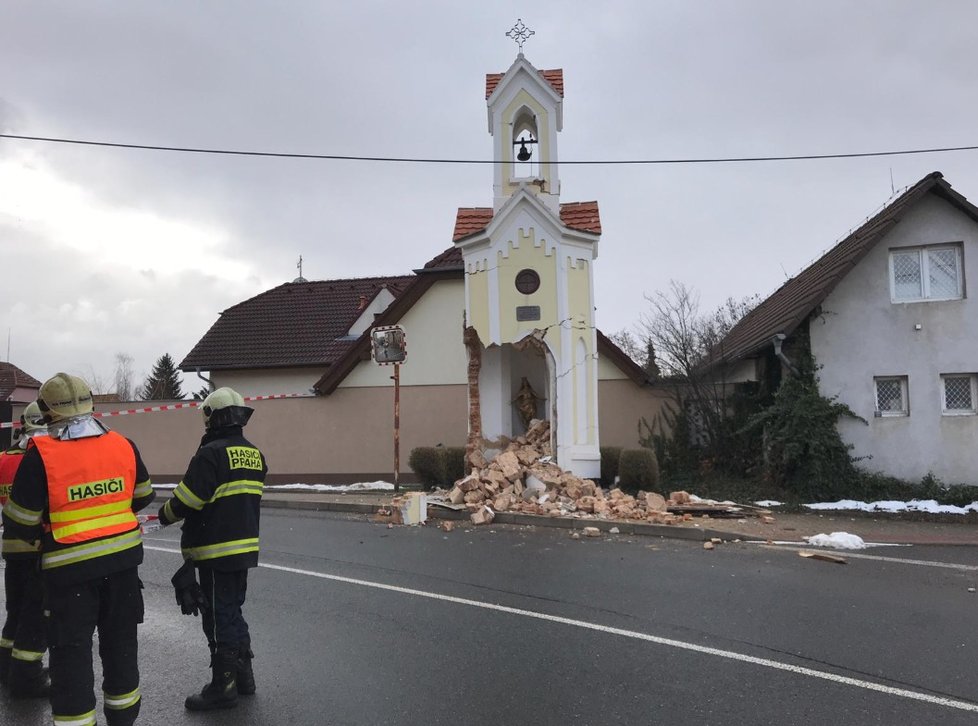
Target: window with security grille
[(891, 396), (959, 393), (926, 273)]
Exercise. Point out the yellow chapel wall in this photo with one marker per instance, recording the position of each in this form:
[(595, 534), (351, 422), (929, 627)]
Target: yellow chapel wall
[(578, 307), (527, 255), (478, 302)]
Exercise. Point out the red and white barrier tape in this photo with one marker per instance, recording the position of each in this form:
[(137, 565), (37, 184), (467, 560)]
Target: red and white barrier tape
[(167, 407)]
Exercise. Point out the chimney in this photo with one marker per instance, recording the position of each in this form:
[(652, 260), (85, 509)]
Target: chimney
[(363, 302)]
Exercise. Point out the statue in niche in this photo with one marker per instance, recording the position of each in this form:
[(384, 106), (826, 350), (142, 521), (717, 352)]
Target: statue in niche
[(526, 403)]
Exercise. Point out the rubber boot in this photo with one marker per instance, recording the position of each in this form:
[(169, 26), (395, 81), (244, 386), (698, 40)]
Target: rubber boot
[(246, 675), (222, 691), (125, 717), (28, 680)]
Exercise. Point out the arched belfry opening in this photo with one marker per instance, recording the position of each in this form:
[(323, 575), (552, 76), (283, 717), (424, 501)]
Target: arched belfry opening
[(526, 136)]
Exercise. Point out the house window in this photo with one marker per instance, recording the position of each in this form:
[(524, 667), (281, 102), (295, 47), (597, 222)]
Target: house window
[(926, 273), (958, 392), (891, 396)]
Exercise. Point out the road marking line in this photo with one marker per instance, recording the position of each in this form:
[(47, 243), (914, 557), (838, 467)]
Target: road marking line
[(682, 645), (897, 560)]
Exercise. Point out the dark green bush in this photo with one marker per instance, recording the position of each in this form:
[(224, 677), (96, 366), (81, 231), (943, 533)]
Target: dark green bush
[(428, 462), (805, 453), (638, 469), (609, 465), (438, 466), (454, 462)]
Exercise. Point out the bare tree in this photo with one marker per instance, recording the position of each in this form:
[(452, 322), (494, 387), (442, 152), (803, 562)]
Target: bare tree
[(688, 344), (95, 380), (673, 324), (124, 377), (684, 339)]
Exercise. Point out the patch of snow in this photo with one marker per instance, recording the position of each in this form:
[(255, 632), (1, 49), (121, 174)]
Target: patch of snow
[(914, 505), (838, 540), (768, 503)]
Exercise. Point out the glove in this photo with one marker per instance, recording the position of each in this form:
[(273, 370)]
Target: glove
[(190, 597)]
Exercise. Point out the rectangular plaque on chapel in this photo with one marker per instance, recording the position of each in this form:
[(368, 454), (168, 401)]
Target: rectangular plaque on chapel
[(528, 312)]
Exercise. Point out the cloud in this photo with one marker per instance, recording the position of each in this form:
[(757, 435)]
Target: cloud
[(138, 251)]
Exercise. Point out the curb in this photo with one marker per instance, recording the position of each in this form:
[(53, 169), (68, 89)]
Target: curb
[(631, 528)]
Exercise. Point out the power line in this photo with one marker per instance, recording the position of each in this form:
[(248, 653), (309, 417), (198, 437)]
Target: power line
[(413, 160)]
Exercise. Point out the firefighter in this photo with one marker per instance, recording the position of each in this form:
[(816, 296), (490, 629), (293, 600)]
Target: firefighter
[(78, 489), (219, 499), (22, 643)]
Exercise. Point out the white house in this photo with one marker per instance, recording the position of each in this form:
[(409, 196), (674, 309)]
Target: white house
[(894, 331)]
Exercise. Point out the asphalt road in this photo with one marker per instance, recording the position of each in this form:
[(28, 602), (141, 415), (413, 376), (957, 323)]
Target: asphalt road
[(355, 623)]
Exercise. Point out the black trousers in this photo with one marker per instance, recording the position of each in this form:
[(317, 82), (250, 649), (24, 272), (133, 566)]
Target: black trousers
[(222, 619), (23, 636), (114, 606)]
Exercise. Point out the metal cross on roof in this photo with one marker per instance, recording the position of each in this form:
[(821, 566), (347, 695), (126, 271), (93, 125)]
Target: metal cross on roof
[(520, 33)]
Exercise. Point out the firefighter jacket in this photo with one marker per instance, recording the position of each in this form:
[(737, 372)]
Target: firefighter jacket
[(219, 499), (80, 497), (14, 548)]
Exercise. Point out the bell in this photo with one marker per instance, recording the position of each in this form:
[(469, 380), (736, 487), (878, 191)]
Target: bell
[(524, 153)]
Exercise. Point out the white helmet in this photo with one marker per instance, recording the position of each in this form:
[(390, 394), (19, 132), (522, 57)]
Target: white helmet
[(225, 407), (64, 396)]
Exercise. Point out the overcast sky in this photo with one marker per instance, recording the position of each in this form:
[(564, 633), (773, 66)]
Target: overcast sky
[(108, 250)]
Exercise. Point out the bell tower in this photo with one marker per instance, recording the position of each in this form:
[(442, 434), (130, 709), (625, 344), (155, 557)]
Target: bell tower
[(525, 115), (529, 281)]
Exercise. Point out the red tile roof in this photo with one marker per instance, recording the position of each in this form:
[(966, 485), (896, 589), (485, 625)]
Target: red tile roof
[(470, 220), (793, 302), (555, 77), (295, 324), (582, 216), (12, 377)]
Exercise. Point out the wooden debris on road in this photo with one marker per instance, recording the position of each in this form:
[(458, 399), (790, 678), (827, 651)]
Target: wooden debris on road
[(824, 556)]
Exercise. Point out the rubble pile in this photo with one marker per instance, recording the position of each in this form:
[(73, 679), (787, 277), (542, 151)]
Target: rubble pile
[(524, 478)]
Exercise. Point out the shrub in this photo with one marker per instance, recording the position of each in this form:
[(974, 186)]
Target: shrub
[(609, 465), (638, 469), (428, 463), (454, 463)]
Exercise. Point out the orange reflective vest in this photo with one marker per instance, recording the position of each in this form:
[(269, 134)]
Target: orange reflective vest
[(9, 461), (90, 486)]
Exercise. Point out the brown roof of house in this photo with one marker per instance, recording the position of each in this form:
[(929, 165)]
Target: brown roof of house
[(12, 377), (554, 76), (450, 259), (794, 301), (294, 324), (581, 216)]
